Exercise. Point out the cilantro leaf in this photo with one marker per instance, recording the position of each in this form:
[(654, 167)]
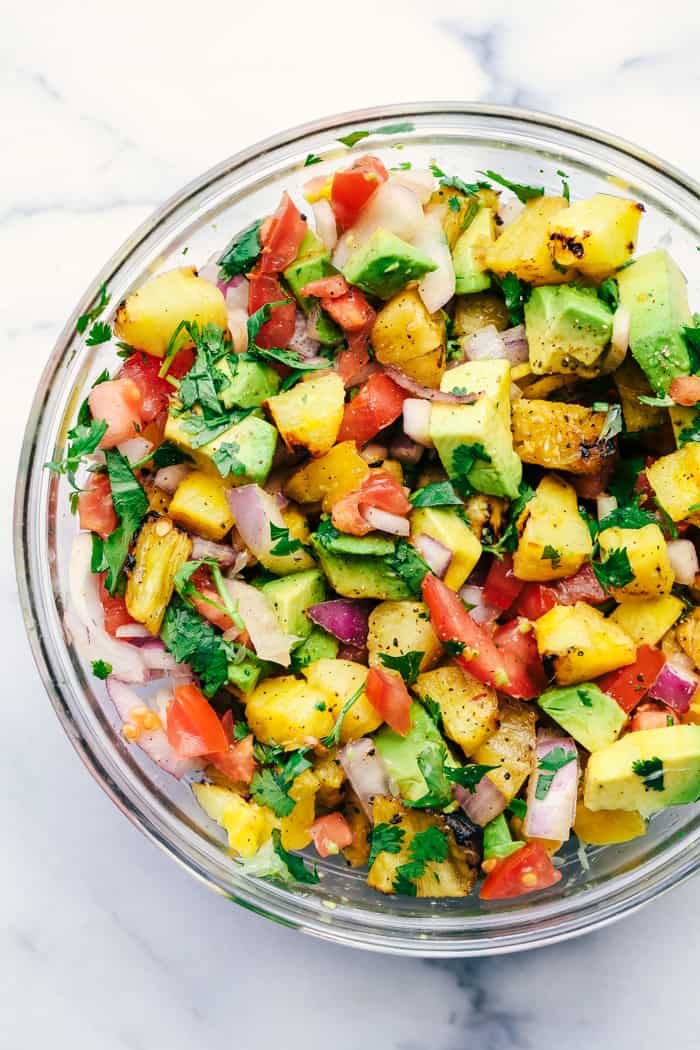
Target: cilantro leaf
[(103, 298), (266, 790), (242, 253), (691, 432), (100, 669), (453, 204), (454, 647), (384, 838), (437, 494), (408, 665), (131, 506), (509, 539), (204, 381), (515, 293), (295, 865), (226, 461), (403, 883), (282, 544), (185, 588), (612, 425), (584, 698), (431, 762), (518, 808), (353, 138), (471, 213), (203, 429), (469, 188), (291, 358), (438, 173), (83, 440), (192, 640), (565, 191), (615, 571), (626, 473), (167, 455), (691, 336), (627, 517), (311, 158), (99, 333), (407, 563), (609, 292), (651, 770), (469, 776), (549, 765), (465, 456), (551, 554), (522, 192), (332, 739), (433, 709), (429, 845)]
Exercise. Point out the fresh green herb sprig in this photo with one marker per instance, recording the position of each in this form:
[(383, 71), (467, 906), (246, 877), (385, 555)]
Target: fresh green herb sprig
[(408, 664), (103, 299)]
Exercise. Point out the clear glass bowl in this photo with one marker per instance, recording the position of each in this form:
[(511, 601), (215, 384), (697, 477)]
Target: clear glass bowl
[(461, 138)]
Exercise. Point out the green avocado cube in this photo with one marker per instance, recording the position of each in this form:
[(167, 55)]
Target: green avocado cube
[(385, 265), (318, 646), (400, 753), (470, 274), (250, 382), (655, 292), (291, 596), (592, 717), (567, 329), (254, 442), (307, 267), (361, 576)]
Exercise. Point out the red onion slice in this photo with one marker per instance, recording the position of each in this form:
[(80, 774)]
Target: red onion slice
[(481, 611), (268, 639), (168, 478), (438, 286), (135, 449), (253, 509), (133, 632), (435, 554), (153, 742), (675, 685), (517, 349), (406, 450), (344, 618), (551, 816), (428, 393), (683, 559), (220, 552), (605, 504), (482, 805), (303, 341), (486, 345), (326, 227), (386, 522), (416, 421), (365, 770)]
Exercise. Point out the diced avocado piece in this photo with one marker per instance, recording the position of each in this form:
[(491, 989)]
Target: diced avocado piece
[(246, 674), (291, 596), (385, 265), (254, 439), (342, 543), (310, 243), (400, 753), (567, 329), (308, 267), (645, 771), (480, 431), (656, 294), (469, 269), (361, 576), (250, 382), (446, 526), (592, 717), (318, 646), (498, 841)]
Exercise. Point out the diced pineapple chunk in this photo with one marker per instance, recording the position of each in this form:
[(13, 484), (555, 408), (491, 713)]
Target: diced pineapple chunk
[(524, 249), (338, 680), (559, 436), (596, 235), (287, 711), (396, 628), (646, 620), (605, 827), (248, 825), (309, 415), (328, 478), (648, 558), (295, 828), (446, 526), (485, 515), (676, 481), (453, 877), (160, 551), (357, 853), (631, 382), (469, 709), (150, 315), (583, 643), (406, 335), (511, 748), (688, 635), (200, 506), (331, 778), (554, 539)]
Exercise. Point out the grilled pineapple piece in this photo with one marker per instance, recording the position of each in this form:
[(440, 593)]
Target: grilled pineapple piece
[(406, 335), (331, 777), (468, 708), (583, 643), (452, 877), (328, 478), (597, 235), (688, 635), (511, 748), (477, 311), (309, 415), (648, 559), (646, 620), (357, 853), (396, 628), (338, 680), (149, 316), (631, 382), (524, 247), (676, 481), (200, 506), (248, 825), (558, 436), (160, 551), (554, 539), (287, 711), (485, 515), (295, 828)]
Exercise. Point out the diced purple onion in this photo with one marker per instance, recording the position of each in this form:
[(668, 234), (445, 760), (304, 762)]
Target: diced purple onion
[(675, 685), (222, 553), (551, 816), (345, 619), (605, 504), (302, 341), (427, 392), (152, 742), (416, 421), (516, 344), (365, 770), (486, 345), (683, 559), (382, 520), (168, 478), (326, 227), (482, 805), (253, 509), (481, 611), (406, 450), (435, 554)]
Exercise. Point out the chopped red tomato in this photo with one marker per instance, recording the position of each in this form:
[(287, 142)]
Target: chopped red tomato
[(352, 189), (280, 235), (685, 390), (526, 870), (203, 584), (265, 288), (114, 608), (502, 668), (379, 489), (118, 402), (351, 310), (535, 600), (143, 369), (379, 403), (95, 507), (389, 697), (353, 365), (630, 684), (583, 586), (330, 834), (237, 762), (517, 639), (193, 728), (327, 287), (502, 586), (652, 716)]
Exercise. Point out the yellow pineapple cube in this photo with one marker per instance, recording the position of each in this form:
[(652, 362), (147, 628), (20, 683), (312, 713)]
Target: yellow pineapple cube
[(648, 559), (468, 708), (160, 551), (327, 479), (554, 539), (288, 711), (583, 643), (248, 825), (596, 235), (605, 827), (337, 680), (524, 248), (398, 627), (676, 481), (511, 748), (445, 525), (200, 506), (295, 828), (646, 620), (309, 415)]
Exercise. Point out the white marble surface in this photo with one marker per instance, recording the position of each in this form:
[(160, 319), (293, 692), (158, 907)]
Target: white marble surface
[(105, 111)]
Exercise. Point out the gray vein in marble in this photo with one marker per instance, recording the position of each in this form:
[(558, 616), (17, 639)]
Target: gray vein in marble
[(485, 49)]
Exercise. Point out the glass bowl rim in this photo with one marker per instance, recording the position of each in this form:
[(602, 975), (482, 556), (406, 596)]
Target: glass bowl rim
[(543, 924)]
